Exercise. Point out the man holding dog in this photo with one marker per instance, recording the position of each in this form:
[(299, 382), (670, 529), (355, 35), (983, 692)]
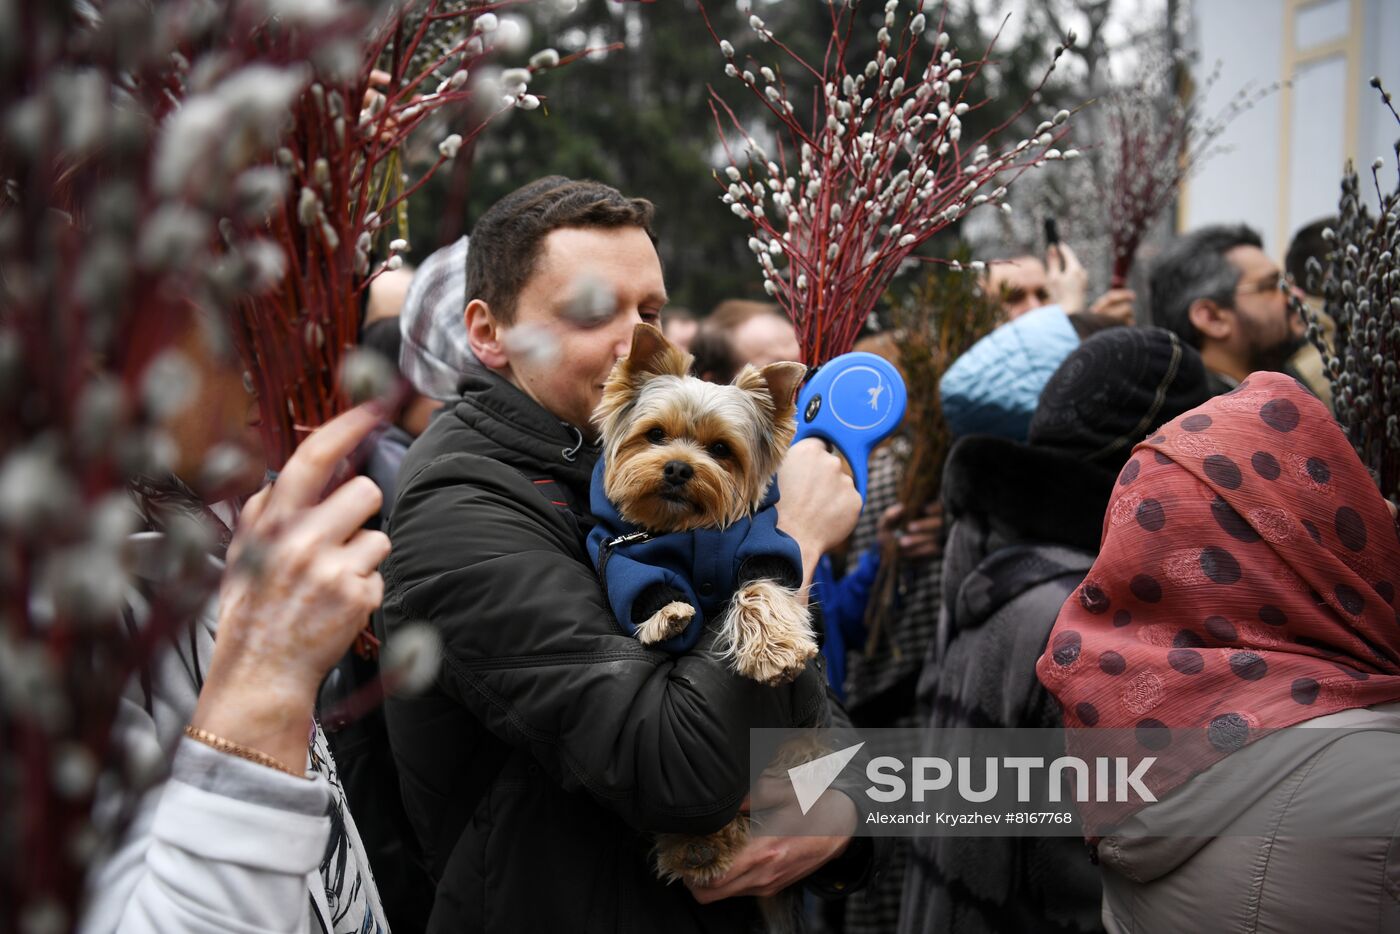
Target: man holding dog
[(553, 745)]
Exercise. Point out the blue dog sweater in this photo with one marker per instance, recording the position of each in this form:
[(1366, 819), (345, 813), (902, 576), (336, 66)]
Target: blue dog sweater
[(702, 567)]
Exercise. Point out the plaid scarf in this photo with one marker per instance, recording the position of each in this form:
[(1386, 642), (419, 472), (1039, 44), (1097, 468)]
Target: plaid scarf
[(435, 349)]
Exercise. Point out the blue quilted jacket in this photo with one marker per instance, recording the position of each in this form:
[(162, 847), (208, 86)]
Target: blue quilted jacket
[(993, 389), (641, 574)]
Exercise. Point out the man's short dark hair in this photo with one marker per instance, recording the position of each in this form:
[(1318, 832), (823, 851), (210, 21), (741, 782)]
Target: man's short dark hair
[(1194, 267), (715, 359), (505, 243), (1308, 244)]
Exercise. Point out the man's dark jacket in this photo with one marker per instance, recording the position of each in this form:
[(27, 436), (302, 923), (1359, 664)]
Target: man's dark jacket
[(552, 744)]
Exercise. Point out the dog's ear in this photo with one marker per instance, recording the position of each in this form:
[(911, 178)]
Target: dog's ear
[(779, 381), (653, 355), (783, 380), (774, 388)]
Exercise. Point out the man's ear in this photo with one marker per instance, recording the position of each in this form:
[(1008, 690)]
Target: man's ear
[(1211, 320), (485, 335), (653, 355)]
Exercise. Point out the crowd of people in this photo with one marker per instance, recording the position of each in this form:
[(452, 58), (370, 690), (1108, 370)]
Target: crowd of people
[(522, 790)]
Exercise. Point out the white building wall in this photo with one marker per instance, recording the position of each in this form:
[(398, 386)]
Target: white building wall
[(1381, 44), (1239, 183), (1283, 161)]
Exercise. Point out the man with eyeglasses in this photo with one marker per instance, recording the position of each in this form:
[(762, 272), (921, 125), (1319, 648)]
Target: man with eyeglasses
[(1221, 293)]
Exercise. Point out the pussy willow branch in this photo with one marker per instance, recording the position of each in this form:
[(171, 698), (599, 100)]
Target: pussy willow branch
[(880, 169), (343, 157), (1155, 153), (1360, 284)]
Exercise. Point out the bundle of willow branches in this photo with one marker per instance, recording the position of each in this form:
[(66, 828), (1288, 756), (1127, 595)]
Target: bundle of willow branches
[(878, 168), (1154, 140), (1361, 288), (209, 163), (343, 191)]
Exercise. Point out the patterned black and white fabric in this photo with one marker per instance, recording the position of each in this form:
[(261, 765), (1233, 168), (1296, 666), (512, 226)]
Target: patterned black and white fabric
[(222, 843), (435, 351)]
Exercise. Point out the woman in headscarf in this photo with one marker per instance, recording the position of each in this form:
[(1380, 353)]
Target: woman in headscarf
[(1024, 526), (1245, 586)]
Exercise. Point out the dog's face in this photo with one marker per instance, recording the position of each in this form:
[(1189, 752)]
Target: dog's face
[(686, 454)]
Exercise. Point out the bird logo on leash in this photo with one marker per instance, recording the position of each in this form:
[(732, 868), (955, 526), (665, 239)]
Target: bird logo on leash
[(854, 401)]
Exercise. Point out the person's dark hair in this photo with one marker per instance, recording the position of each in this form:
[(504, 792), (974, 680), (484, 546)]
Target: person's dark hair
[(714, 357), (505, 243), (1086, 324), (384, 337), (1193, 267), (714, 354), (1308, 244)]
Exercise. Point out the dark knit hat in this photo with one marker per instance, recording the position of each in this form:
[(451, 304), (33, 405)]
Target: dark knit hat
[(1113, 390)]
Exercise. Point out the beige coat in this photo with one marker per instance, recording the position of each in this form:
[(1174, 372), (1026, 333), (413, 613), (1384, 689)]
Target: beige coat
[(1278, 878)]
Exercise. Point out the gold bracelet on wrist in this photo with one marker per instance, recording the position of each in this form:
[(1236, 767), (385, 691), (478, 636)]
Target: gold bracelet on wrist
[(243, 752)]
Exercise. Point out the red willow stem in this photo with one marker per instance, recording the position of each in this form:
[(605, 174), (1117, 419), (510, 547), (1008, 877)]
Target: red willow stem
[(1155, 155), (301, 354)]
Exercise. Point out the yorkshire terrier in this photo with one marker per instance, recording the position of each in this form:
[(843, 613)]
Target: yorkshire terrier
[(684, 502), (687, 468)]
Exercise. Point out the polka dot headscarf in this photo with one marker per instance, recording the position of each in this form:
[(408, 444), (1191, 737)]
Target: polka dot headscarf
[(1246, 582)]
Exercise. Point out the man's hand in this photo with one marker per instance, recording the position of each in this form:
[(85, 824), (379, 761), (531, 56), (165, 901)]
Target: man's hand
[(768, 863), (916, 541), (819, 504), (301, 580), (1065, 279), (1116, 304)]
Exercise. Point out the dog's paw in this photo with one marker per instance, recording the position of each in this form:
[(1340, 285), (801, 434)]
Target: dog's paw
[(777, 664), (697, 860), (666, 622), (771, 639)]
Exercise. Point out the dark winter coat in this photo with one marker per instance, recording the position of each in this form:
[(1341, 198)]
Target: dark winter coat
[(382, 466), (702, 567), (553, 744), (1024, 529)]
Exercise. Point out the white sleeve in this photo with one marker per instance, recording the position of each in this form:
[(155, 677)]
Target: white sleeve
[(223, 845)]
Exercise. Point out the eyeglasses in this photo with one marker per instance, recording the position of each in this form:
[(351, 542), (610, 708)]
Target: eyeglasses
[(1274, 282)]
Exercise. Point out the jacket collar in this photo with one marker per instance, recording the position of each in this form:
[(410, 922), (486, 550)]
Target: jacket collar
[(1027, 493), (1009, 572), (527, 436)]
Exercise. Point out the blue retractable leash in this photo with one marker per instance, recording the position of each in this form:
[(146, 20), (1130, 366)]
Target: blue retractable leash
[(854, 401)]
